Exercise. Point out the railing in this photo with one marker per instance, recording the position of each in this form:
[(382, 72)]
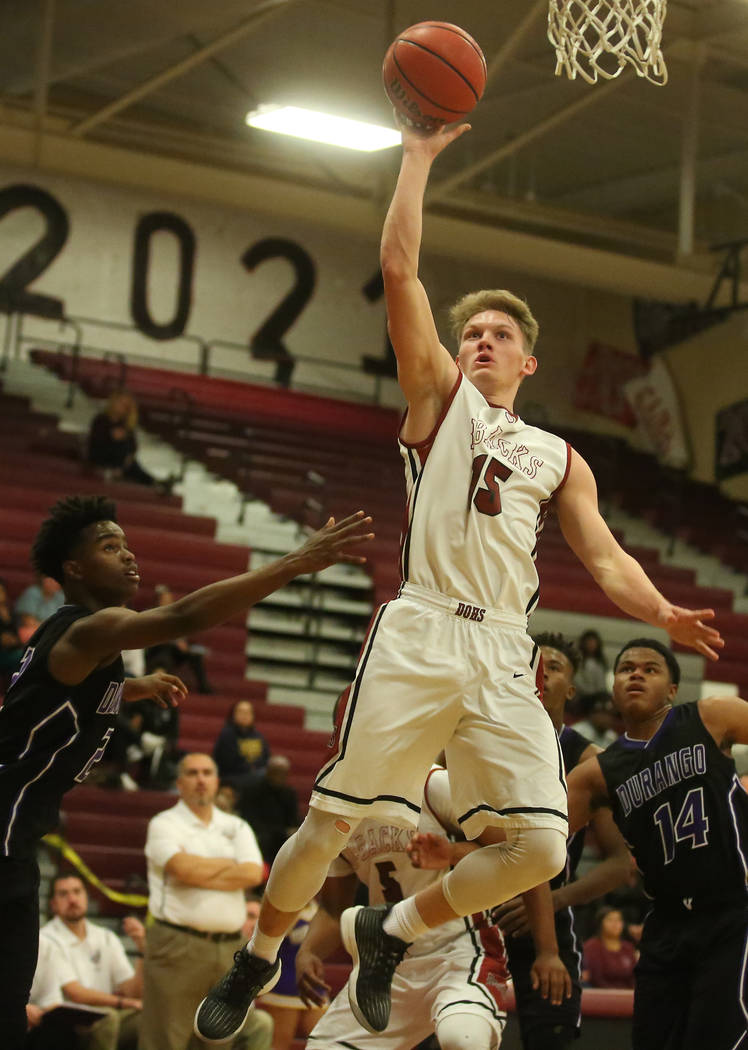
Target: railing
[(189, 353)]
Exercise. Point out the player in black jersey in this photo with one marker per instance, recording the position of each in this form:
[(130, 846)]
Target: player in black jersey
[(545, 1025), (673, 791), (59, 711)]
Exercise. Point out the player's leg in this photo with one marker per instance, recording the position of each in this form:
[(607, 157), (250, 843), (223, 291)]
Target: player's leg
[(19, 906), (718, 1003), (410, 726), (662, 992), (466, 1032)]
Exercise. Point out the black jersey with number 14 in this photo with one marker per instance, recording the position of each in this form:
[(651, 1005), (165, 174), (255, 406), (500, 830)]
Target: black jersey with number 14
[(51, 735), (682, 810)]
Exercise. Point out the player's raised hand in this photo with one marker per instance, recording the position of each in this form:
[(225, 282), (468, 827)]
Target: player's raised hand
[(310, 979), (432, 852), (550, 976), (687, 627), (430, 143), (332, 543)]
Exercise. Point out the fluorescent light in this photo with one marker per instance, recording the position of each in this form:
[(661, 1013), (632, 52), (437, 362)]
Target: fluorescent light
[(322, 127)]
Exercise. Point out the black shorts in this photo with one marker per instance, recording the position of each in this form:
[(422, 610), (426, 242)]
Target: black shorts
[(534, 1013), (19, 945), (692, 981)]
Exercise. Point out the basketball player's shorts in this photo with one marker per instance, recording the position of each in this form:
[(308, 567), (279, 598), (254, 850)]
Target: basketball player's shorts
[(436, 674), (692, 979), (460, 979), (538, 1016)]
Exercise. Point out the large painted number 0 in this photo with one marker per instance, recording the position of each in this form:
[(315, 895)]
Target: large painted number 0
[(14, 294), (155, 222), (391, 889), (487, 500), (267, 342)]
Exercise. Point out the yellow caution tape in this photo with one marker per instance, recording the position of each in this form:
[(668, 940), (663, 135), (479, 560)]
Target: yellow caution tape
[(134, 900)]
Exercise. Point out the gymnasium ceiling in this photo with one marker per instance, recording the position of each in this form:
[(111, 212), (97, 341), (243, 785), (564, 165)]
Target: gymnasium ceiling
[(606, 171)]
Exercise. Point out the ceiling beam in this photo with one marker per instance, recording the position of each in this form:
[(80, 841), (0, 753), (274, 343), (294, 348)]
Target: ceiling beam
[(589, 98), (264, 10)]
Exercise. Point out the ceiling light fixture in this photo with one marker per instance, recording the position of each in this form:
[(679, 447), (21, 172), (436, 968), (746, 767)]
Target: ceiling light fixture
[(322, 127)]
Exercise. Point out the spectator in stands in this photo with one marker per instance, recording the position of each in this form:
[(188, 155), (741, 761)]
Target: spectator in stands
[(241, 751), (11, 647), (36, 603), (173, 656), (609, 960), (598, 725), (104, 976), (112, 441), (591, 676), (271, 807), (200, 862)]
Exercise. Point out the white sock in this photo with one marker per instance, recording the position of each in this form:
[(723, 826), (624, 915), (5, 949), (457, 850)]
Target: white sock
[(264, 947), (404, 921)]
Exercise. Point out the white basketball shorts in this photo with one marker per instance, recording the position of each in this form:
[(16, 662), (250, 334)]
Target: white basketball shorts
[(436, 674)]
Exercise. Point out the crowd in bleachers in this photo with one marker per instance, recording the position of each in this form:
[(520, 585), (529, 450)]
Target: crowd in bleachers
[(265, 759)]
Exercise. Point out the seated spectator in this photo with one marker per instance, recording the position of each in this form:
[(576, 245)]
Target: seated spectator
[(36, 603), (597, 727), (104, 976), (241, 752), (270, 806), (609, 960), (591, 675), (11, 646), (173, 657), (50, 1025), (112, 441)]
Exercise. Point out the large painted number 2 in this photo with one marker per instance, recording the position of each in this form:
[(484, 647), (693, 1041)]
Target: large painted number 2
[(691, 824), (487, 500)]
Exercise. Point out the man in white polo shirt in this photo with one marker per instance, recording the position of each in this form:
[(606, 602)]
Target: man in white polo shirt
[(200, 862), (104, 977)]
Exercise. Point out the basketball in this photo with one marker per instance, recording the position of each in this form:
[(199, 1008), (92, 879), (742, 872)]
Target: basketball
[(434, 73)]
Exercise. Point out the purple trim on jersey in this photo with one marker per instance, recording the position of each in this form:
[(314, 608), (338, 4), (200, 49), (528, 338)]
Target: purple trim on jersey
[(638, 745), (427, 442)]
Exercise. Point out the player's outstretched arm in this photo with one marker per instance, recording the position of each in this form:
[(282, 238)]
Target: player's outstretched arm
[(612, 871), (161, 688), (618, 574), (426, 370), (98, 638)]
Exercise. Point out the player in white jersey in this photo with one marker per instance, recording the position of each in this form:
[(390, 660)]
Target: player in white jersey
[(448, 663), (451, 981)]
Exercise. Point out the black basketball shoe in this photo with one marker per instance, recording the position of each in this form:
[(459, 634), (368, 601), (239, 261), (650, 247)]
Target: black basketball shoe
[(375, 956), (223, 1011)]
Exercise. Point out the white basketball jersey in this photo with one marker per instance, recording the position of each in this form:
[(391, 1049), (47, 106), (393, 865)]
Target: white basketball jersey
[(376, 852), (478, 489)]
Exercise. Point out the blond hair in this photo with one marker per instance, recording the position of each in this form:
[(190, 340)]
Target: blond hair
[(131, 418), (494, 299)]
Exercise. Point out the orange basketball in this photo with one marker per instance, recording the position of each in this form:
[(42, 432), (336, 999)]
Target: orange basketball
[(434, 73)]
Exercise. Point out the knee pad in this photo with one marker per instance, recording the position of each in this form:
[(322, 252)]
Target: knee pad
[(494, 874), (466, 1032), (302, 862)]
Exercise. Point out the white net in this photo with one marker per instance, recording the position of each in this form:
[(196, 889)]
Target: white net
[(599, 38)]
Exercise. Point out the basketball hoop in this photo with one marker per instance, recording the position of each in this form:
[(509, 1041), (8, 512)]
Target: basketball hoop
[(599, 38)]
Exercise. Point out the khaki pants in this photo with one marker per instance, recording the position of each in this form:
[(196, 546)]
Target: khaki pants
[(179, 969), (116, 1030)]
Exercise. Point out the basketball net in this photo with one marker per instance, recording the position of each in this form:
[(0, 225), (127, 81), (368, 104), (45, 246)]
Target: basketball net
[(599, 38)]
